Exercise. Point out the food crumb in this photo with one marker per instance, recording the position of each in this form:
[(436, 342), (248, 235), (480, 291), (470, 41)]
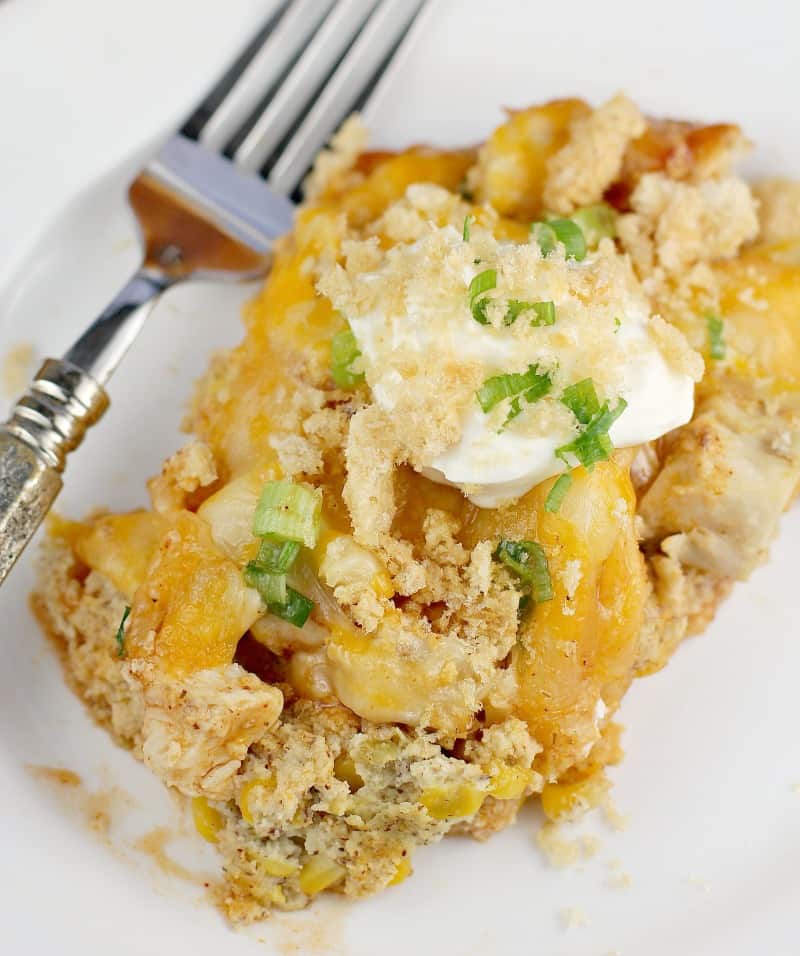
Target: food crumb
[(618, 878), (698, 881), (616, 820), (16, 369), (573, 917)]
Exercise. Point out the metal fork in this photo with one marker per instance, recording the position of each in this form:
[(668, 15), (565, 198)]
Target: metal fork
[(203, 215)]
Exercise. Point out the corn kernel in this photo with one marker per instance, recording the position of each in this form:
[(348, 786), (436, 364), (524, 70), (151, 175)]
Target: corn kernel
[(402, 872), (350, 640), (344, 768), (508, 783), (382, 584), (277, 867), (560, 800), (319, 873), (249, 790), (208, 821), (445, 802)]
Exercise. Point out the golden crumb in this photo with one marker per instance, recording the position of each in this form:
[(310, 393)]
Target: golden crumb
[(689, 223), (182, 474), (583, 169), (334, 163), (779, 209)]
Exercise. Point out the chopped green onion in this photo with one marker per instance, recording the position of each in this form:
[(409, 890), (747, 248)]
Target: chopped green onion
[(560, 230), (557, 493), (581, 399), (515, 306), (344, 351), (120, 637), (544, 235), (570, 235), (478, 308), (588, 449), (527, 560), (277, 556), (482, 282), (545, 312), (532, 383), (606, 418), (468, 220), (593, 444), (270, 585), (539, 389), (596, 222), (522, 607), (617, 325), (514, 409), (290, 511), (295, 609), (716, 336)]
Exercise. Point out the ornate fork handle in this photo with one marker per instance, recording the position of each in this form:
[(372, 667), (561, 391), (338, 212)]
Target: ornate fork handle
[(63, 402), (46, 424)]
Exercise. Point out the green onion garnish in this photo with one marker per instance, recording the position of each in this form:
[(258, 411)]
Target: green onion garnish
[(344, 351), (527, 560), (545, 236), (545, 312), (532, 384), (468, 220), (560, 230), (569, 233), (617, 324), (120, 636), (593, 444), (581, 399), (295, 609), (482, 282), (716, 337), (596, 222), (290, 511), (515, 306), (277, 556), (270, 585), (556, 494), (479, 310)]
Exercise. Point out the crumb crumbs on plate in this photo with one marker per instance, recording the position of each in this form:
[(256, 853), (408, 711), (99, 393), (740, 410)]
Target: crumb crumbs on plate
[(16, 367), (618, 879), (700, 883), (572, 917)]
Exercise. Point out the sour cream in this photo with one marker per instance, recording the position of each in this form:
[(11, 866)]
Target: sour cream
[(609, 338)]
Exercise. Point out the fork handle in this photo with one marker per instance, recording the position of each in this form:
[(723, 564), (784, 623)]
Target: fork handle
[(48, 422)]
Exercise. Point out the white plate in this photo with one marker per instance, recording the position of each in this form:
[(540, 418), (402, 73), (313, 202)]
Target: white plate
[(713, 756)]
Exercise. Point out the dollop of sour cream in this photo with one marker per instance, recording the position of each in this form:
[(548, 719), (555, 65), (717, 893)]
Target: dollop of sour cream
[(603, 330), (494, 465)]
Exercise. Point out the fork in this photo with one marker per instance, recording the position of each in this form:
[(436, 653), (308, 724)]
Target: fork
[(204, 211)]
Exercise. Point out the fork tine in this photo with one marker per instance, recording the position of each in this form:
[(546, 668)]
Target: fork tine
[(290, 35), (290, 101), (357, 72)]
